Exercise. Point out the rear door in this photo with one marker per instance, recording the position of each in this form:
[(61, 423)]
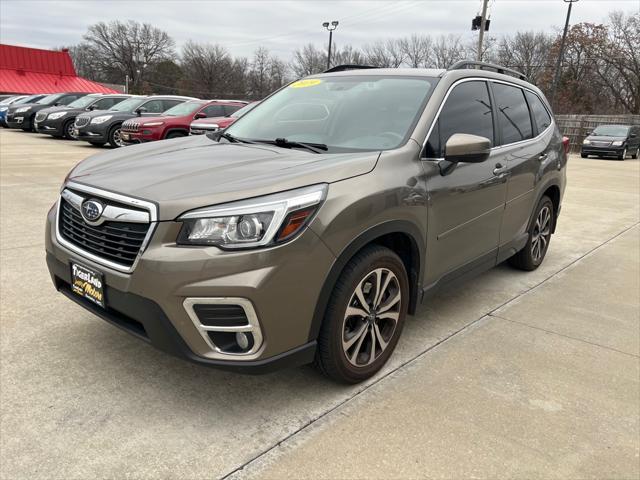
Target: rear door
[(466, 199), (213, 111), (524, 153)]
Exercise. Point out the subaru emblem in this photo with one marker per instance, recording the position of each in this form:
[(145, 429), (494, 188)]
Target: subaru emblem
[(91, 210)]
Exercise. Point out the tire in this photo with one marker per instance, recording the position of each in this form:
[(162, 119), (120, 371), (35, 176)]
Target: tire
[(584, 155), (635, 155), (67, 130), (369, 340), (530, 258), (97, 144), (114, 136), (171, 135), (623, 155)]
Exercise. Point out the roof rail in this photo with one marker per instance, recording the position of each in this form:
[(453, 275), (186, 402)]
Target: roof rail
[(463, 64), (344, 68)]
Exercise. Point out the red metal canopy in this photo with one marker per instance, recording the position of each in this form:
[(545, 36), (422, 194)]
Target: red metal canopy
[(31, 70)]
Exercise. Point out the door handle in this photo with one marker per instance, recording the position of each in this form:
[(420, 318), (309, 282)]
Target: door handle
[(499, 169)]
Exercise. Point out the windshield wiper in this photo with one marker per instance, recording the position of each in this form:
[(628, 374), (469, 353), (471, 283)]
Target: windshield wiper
[(312, 147), (227, 136)]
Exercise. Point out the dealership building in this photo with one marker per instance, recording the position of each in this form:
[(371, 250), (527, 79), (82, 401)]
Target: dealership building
[(31, 70)]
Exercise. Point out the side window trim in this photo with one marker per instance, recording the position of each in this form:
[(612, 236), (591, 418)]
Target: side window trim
[(489, 80)]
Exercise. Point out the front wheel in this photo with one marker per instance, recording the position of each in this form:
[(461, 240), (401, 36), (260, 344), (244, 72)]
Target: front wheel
[(623, 155), (67, 130), (364, 317), (533, 253), (115, 137), (635, 155)]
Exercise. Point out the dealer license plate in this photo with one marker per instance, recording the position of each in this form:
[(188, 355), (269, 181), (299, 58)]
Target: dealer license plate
[(125, 136), (87, 283)]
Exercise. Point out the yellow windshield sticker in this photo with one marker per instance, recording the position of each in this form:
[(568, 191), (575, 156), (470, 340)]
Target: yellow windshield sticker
[(309, 82)]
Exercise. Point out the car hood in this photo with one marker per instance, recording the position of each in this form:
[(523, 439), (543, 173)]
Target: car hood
[(162, 118), (208, 120), (119, 115), (193, 172)]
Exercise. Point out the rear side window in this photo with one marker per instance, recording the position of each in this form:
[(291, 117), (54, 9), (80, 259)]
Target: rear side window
[(167, 104), (154, 106), (214, 111), (106, 103), (513, 113), (541, 117), (466, 110), (67, 99)]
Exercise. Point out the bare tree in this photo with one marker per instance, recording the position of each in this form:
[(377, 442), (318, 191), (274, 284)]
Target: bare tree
[(385, 54), (347, 55), (527, 52), (417, 50), (128, 48), (207, 69), (308, 60), (447, 49)]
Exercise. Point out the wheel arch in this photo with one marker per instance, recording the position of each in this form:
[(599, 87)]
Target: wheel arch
[(181, 130), (400, 236)]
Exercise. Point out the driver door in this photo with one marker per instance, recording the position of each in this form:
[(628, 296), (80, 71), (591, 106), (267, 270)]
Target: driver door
[(466, 200)]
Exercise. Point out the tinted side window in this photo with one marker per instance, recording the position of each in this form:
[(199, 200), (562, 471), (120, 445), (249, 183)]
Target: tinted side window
[(513, 113), (540, 114), (214, 111), (229, 109), (467, 110), (67, 99), (170, 103), (154, 106), (105, 103)]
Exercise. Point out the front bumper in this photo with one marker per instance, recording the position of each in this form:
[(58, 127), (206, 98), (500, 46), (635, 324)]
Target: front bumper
[(18, 120), (604, 151), (92, 133), (281, 283), (134, 138), (52, 127)]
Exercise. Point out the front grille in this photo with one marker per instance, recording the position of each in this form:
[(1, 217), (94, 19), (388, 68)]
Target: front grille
[(600, 144), (118, 242), (81, 122), (130, 126), (40, 116)]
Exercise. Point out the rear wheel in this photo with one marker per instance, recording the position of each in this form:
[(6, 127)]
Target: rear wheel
[(533, 253), (115, 136), (584, 155), (364, 317), (635, 155), (97, 144)]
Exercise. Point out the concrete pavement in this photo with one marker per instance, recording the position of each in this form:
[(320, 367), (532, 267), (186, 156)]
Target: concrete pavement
[(495, 387)]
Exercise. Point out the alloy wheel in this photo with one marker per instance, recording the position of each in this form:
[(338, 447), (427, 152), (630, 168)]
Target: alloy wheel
[(371, 317), (70, 130), (541, 234), (117, 138)]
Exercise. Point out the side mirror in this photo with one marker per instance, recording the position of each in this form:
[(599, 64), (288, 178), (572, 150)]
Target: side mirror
[(140, 110), (200, 115), (462, 147), (91, 108), (633, 135), (57, 104)]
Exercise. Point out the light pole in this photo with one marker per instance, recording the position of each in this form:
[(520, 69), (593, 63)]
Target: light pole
[(556, 77), (482, 27), (331, 27)]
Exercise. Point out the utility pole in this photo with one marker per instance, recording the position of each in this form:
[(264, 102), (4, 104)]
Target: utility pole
[(556, 77), (482, 27), (331, 27)]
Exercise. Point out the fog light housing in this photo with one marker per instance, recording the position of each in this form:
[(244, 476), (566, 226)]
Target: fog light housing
[(242, 340)]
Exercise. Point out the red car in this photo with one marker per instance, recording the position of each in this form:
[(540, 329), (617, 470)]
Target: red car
[(205, 125), (175, 122)]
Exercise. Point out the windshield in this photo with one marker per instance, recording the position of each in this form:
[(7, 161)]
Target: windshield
[(28, 99), (49, 99), (345, 113), (128, 105), (83, 101), (243, 110), (7, 101), (182, 109), (612, 131)]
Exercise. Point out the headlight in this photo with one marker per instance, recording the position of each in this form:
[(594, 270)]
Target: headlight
[(152, 124), (100, 119), (586, 142), (23, 109), (4, 109), (617, 143), (264, 221), (53, 116)]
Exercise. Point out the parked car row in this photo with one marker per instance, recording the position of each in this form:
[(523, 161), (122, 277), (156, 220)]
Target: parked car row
[(117, 119)]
